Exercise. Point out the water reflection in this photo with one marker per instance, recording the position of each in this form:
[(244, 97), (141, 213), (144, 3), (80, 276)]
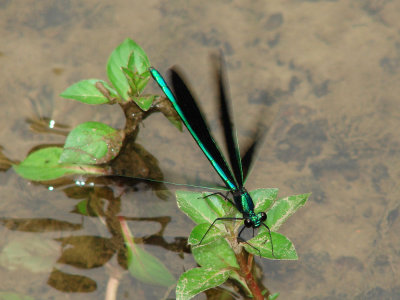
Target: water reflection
[(100, 198)]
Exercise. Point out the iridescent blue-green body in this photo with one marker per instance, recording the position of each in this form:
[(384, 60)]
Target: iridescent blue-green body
[(225, 175), (244, 203), (233, 177)]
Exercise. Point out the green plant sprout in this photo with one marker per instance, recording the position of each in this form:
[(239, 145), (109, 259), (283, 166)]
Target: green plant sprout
[(91, 146)]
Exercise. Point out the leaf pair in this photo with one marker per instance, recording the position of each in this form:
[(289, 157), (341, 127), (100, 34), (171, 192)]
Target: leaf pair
[(44, 165), (89, 144)]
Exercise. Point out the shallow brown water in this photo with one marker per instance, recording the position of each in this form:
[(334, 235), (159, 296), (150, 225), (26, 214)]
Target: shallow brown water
[(326, 73)]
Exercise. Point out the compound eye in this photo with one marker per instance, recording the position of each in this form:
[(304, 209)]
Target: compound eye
[(263, 216), (248, 223)]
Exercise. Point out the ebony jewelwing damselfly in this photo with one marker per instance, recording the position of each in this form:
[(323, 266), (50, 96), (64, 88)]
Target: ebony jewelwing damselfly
[(234, 177)]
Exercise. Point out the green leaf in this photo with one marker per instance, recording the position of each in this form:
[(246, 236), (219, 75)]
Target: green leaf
[(261, 245), (43, 165), (142, 265), (199, 231), (198, 280), (176, 122), (129, 55), (283, 208), (129, 75), (217, 255), (86, 91), (263, 198), (203, 209), (144, 102), (92, 143), (141, 81), (137, 82), (138, 60)]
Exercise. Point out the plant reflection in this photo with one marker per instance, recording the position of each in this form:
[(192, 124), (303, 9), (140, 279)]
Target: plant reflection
[(100, 198)]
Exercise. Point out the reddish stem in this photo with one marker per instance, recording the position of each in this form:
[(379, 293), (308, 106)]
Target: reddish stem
[(246, 267)]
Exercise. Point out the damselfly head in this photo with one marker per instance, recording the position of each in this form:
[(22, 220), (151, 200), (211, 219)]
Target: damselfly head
[(256, 220)]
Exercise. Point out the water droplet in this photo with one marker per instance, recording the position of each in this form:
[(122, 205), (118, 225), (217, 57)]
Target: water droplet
[(52, 123)]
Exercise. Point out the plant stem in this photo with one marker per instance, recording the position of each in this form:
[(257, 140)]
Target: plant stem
[(246, 267)]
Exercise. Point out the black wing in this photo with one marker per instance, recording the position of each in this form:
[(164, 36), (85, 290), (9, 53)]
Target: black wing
[(227, 124), (197, 126), (252, 150)]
